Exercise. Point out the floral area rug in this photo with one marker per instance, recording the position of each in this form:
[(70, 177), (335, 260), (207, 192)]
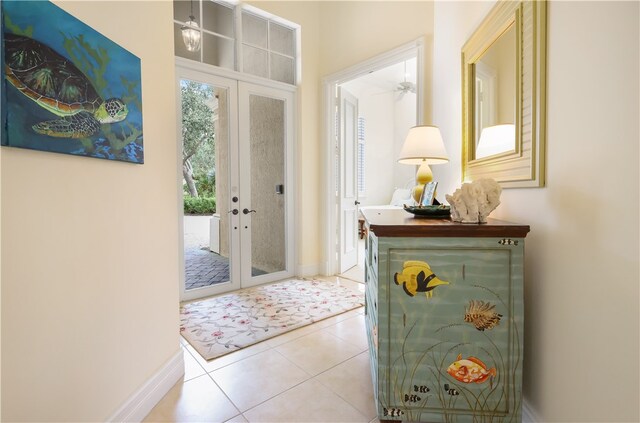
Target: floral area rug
[(224, 324)]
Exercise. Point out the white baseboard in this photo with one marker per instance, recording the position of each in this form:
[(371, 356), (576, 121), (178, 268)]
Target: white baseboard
[(528, 413), (136, 408), (308, 270)]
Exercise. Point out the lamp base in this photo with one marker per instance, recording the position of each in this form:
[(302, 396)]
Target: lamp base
[(423, 176)]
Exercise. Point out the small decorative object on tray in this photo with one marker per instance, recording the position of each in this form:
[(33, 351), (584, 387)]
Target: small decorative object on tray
[(473, 202), (428, 194)]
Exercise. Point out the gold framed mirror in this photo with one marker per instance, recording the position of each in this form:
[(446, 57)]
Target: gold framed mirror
[(504, 96)]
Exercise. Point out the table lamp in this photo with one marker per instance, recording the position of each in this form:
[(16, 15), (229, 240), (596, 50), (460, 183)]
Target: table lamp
[(423, 146)]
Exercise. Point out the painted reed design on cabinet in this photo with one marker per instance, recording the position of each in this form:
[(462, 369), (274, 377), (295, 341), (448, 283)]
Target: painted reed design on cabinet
[(489, 398)]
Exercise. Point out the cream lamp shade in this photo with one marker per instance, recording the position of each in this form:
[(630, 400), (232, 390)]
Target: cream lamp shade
[(423, 146), (496, 139)]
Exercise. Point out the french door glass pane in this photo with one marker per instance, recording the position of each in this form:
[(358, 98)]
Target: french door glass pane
[(255, 61), (254, 30), (282, 68), (282, 39), (267, 164), (205, 141), (182, 10), (217, 18), (218, 51)]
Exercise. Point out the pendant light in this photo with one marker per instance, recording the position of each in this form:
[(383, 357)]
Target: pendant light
[(191, 33)]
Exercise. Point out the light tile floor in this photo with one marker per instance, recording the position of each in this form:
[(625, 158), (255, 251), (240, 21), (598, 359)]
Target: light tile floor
[(318, 373)]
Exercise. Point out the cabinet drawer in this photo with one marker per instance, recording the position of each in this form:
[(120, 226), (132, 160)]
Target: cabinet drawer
[(372, 254), (371, 281), (372, 337), (370, 298), (371, 323)]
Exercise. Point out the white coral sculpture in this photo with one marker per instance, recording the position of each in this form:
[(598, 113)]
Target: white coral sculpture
[(473, 202)]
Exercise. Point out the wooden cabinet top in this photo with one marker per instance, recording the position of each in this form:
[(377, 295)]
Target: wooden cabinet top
[(399, 223)]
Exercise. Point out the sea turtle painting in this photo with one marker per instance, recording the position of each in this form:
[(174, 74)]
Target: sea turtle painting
[(58, 86), (67, 88)]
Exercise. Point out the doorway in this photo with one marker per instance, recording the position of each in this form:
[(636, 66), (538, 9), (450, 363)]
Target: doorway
[(370, 108), (243, 134)]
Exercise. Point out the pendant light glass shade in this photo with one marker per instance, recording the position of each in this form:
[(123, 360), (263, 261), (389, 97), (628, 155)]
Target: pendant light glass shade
[(191, 35)]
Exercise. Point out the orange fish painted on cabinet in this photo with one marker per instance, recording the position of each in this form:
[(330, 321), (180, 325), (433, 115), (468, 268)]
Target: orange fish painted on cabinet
[(470, 370)]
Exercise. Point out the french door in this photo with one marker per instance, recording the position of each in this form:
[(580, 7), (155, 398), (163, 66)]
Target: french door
[(252, 228)]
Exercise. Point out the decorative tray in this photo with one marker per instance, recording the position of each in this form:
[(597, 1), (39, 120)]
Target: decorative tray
[(436, 211)]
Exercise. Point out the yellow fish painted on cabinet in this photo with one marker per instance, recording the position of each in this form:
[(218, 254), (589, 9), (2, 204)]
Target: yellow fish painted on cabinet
[(416, 276)]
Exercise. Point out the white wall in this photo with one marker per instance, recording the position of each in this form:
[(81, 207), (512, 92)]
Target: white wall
[(582, 277), (379, 163), (89, 250), (405, 114), (376, 106)]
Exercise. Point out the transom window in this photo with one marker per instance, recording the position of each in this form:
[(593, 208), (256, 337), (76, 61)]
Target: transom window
[(241, 38)]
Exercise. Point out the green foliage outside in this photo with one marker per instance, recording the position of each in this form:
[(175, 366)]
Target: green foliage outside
[(198, 144), (205, 202), (199, 205), (205, 183)]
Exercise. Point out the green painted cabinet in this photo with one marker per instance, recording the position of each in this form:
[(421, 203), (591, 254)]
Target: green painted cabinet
[(444, 314)]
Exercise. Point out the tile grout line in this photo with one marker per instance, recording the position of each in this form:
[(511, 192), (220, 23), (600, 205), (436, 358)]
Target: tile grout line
[(270, 398), (189, 352), (337, 393), (304, 381), (310, 377)]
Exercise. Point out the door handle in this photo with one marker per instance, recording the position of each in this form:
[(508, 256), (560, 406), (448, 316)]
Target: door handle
[(234, 211), (357, 203), (247, 211)]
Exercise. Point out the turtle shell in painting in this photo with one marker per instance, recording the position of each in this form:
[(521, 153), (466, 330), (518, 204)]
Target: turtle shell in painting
[(48, 78)]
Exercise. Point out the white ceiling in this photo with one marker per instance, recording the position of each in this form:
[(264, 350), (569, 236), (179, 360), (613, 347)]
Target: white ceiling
[(384, 80)]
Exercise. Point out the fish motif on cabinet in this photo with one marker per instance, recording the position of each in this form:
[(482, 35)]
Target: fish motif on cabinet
[(470, 370), (411, 398), (421, 388), (392, 412), (482, 315), (450, 391), (417, 276)]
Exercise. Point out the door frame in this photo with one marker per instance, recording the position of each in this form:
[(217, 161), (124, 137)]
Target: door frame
[(184, 68), (348, 204), (330, 237), (233, 177)]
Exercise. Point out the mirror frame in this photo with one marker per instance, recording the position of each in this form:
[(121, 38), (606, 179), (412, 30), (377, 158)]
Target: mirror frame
[(525, 165)]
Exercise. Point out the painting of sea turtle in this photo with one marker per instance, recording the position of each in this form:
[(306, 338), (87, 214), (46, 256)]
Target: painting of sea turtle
[(67, 88), (58, 86)]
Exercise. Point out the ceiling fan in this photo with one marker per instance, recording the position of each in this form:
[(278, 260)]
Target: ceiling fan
[(406, 87)]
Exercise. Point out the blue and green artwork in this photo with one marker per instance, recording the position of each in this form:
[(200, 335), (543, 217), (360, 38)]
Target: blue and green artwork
[(66, 88)]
